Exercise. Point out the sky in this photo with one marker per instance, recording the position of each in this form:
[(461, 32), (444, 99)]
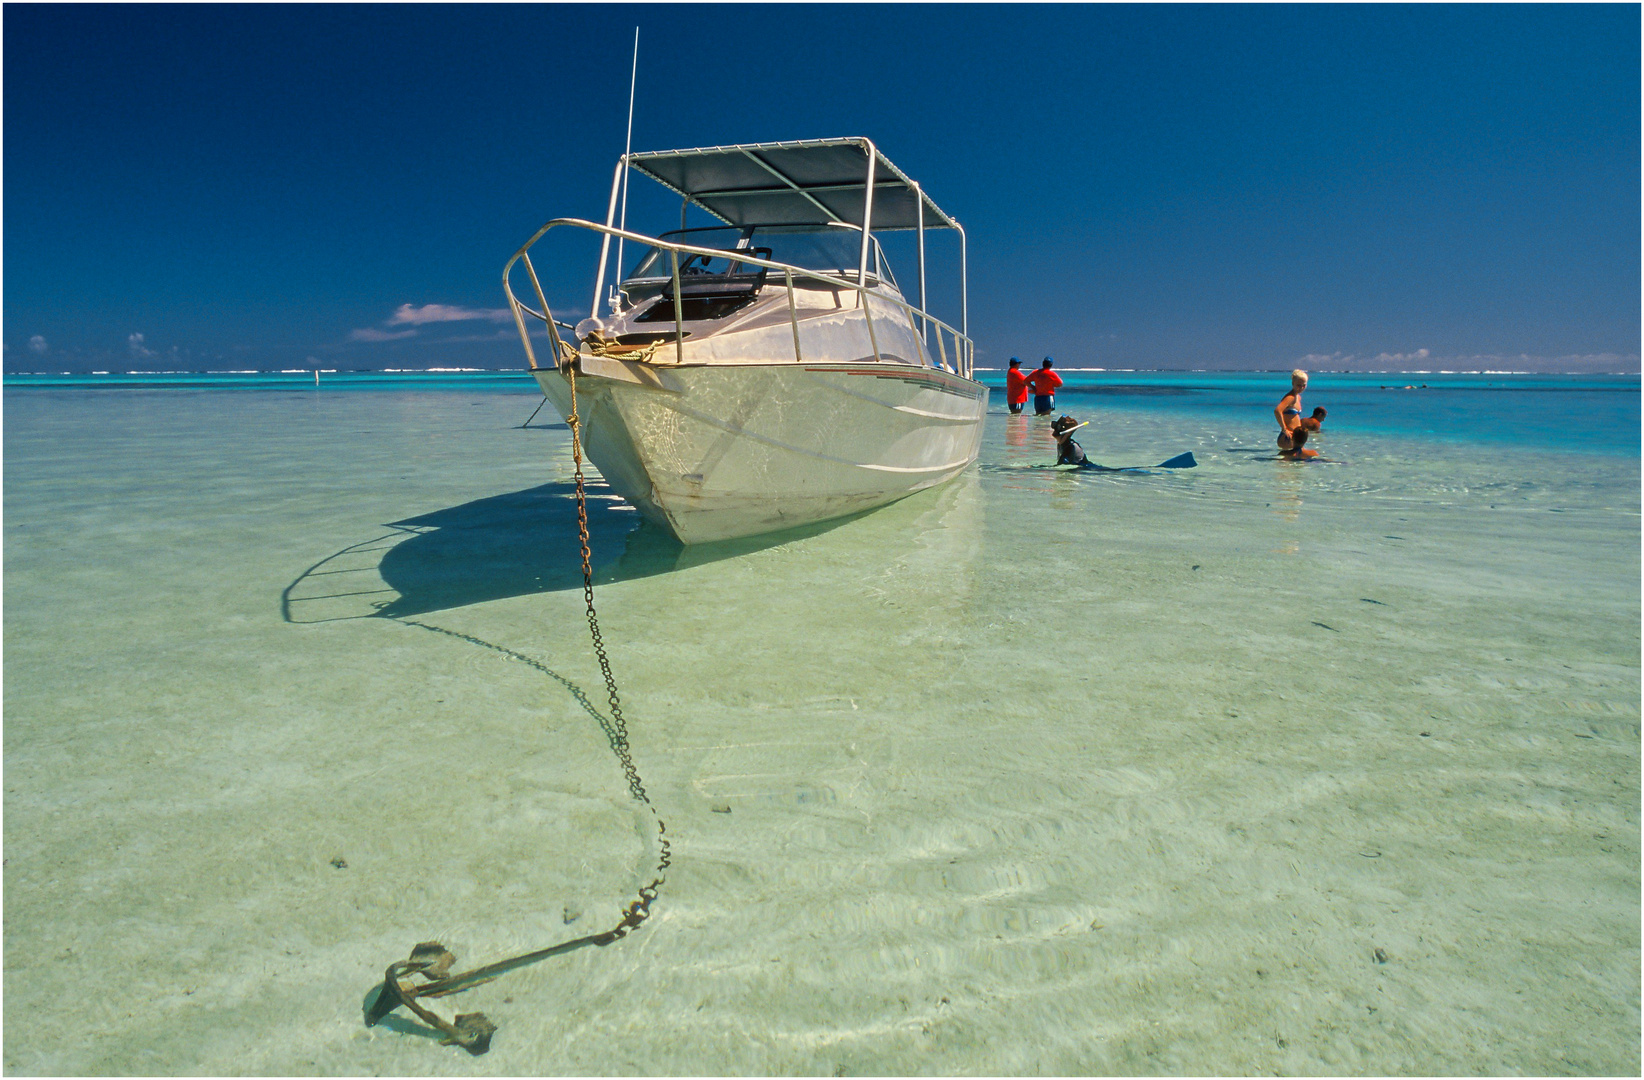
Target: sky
[(1352, 187)]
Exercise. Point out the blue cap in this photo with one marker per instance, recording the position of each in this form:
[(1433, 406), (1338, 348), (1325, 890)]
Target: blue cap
[(1014, 360)]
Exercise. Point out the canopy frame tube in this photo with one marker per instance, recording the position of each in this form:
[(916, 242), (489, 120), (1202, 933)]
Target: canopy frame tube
[(698, 176)]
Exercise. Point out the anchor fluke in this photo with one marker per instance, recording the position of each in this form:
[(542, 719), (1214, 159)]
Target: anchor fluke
[(435, 959), (431, 960), (474, 1033)]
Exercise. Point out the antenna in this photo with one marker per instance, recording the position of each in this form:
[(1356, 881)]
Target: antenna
[(627, 149)]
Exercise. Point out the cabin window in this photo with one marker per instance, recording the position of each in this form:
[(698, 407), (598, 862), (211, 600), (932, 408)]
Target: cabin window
[(696, 308)]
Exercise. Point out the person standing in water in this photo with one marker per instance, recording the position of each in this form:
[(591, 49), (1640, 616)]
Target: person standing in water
[(1016, 386), (1288, 411), (1044, 383)]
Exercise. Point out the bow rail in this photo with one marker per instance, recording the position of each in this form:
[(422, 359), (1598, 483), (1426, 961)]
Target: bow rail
[(961, 362)]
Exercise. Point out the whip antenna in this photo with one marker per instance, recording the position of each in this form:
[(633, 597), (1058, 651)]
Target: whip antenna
[(627, 149)]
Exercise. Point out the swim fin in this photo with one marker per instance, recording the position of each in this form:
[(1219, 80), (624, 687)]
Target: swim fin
[(1180, 461)]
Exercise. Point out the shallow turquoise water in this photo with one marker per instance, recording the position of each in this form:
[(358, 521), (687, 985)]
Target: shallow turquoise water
[(1035, 773), (1579, 413)]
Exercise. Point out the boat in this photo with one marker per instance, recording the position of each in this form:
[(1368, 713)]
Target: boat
[(764, 372)]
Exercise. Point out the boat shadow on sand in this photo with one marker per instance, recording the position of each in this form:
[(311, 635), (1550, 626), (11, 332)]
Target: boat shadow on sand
[(497, 547)]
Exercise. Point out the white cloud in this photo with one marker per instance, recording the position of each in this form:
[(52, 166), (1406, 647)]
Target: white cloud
[(373, 334), (139, 351), (406, 314), (1424, 360), (1608, 362), (412, 316), (38, 346), (507, 333), (1420, 356), (1340, 361)]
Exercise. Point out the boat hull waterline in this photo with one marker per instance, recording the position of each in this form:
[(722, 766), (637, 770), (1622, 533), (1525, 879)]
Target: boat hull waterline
[(721, 452)]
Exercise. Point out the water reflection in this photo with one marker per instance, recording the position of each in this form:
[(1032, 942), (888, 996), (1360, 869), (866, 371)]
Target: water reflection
[(1287, 491), (1018, 427)]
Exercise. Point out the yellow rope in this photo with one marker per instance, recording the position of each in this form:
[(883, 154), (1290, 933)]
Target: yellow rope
[(600, 344)]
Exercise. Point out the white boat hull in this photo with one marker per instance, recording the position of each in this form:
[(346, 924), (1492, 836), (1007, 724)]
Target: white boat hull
[(717, 452)]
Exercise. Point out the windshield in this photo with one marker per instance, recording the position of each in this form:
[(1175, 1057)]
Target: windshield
[(656, 263), (814, 247)]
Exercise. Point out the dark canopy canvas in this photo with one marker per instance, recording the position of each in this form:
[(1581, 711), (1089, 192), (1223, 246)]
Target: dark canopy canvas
[(793, 183)]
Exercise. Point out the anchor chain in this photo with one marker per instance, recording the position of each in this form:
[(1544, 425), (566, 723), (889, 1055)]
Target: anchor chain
[(618, 723), (430, 960)]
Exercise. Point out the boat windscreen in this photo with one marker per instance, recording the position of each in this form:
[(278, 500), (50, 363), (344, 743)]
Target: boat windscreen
[(827, 248), (654, 262)]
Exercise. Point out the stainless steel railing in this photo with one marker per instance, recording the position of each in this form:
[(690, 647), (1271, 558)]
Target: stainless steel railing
[(961, 362)]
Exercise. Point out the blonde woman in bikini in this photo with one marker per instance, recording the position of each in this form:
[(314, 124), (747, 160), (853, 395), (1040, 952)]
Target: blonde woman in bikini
[(1288, 411)]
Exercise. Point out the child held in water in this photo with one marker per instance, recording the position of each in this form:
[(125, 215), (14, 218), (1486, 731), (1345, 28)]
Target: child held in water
[(1299, 450)]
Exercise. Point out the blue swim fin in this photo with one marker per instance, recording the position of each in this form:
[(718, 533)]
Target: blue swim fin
[(1180, 461)]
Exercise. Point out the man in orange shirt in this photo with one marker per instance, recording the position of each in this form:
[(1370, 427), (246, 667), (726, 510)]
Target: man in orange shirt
[(1044, 383), (1016, 386)]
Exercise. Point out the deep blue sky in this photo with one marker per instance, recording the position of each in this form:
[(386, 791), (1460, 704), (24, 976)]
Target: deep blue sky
[(1163, 187)]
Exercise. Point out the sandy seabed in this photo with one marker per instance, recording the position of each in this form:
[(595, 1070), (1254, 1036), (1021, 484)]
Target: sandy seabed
[(1255, 768)]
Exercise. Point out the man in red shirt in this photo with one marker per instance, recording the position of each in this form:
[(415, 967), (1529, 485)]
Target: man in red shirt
[(1044, 383), (1016, 386)]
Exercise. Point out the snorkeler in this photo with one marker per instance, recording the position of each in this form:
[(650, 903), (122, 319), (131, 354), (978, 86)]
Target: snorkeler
[(1288, 411), (1068, 452)]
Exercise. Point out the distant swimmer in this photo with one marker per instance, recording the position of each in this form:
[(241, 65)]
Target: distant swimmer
[(1044, 383), (1298, 450), (1288, 411), (1311, 426), (1016, 386)]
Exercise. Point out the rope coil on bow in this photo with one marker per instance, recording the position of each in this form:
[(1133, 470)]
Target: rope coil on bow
[(602, 344)]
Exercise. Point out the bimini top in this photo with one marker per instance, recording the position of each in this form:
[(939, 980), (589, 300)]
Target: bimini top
[(793, 183)]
